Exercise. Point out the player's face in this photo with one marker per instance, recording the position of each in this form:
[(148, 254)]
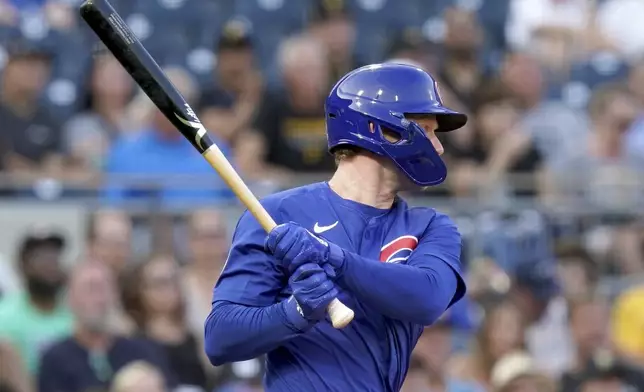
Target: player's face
[(430, 125)]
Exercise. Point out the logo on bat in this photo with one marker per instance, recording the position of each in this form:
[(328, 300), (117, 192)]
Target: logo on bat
[(191, 112), (399, 249), (201, 131)]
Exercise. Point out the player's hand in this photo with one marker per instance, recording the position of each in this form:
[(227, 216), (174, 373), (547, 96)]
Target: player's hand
[(313, 291), (293, 245)]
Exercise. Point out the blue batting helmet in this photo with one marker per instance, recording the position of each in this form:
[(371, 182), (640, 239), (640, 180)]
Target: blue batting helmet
[(383, 94)]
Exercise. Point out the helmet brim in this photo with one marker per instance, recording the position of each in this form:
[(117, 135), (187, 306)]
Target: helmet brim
[(449, 120)]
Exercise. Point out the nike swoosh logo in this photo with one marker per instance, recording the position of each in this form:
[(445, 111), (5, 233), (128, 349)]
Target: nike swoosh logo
[(321, 229)]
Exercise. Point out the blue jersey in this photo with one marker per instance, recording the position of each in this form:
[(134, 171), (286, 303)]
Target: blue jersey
[(373, 352)]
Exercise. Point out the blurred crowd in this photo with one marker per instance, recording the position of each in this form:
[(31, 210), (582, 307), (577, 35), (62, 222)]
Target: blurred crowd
[(546, 182)]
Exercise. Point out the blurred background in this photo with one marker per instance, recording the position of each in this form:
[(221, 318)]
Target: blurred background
[(113, 230)]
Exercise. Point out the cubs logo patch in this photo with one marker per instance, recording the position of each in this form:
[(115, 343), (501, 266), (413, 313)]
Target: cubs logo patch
[(399, 249)]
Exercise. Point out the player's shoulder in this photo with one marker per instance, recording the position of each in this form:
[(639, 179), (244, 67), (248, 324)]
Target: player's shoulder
[(281, 205), (424, 216)]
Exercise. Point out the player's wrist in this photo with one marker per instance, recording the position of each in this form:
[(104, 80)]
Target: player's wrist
[(336, 257), (294, 317)]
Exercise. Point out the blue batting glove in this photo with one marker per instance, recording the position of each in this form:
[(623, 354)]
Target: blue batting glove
[(293, 245), (312, 293)]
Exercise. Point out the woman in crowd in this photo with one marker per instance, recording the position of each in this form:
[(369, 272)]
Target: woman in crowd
[(502, 332), (152, 297), (87, 136)]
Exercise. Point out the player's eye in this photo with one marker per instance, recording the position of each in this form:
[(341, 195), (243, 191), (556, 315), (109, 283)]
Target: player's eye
[(391, 136)]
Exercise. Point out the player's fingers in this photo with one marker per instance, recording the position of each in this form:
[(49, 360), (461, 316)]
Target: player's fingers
[(298, 255), (286, 243), (329, 271), (308, 271), (274, 236)]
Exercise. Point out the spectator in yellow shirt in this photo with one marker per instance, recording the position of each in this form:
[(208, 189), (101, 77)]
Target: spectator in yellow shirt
[(628, 324)]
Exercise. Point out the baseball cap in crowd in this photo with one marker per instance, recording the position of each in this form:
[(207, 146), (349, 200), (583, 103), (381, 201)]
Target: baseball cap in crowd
[(38, 236), (21, 47), (408, 40), (235, 34), (515, 365), (324, 10), (539, 278)]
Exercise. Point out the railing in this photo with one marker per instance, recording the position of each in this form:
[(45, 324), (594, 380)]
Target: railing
[(481, 218)]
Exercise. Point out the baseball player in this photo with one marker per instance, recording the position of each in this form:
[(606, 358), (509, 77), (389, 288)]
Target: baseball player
[(351, 238)]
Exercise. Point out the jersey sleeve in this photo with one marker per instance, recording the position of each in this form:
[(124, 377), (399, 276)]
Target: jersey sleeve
[(250, 276), (441, 242)]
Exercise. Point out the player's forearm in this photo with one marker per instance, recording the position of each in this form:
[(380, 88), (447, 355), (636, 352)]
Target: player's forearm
[(236, 332), (402, 292)]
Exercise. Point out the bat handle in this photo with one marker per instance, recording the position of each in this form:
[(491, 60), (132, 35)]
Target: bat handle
[(340, 314)]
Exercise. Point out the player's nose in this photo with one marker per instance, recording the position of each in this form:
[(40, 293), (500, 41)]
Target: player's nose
[(438, 146)]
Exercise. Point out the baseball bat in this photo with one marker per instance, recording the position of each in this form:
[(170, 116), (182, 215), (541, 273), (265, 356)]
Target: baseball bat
[(128, 50)]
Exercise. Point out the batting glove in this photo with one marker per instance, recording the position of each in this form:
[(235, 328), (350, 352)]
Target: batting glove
[(293, 245), (313, 291)]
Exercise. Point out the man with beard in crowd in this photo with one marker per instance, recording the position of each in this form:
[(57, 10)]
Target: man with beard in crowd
[(90, 358), (32, 319)]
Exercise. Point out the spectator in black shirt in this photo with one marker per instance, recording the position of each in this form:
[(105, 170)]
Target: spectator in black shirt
[(228, 107), (293, 121), (331, 24), (30, 136), (152, 297), (94, 354)]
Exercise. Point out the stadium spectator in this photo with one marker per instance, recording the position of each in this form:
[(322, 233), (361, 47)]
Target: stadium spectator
[(577, 272), (109, 239), (589, 324), (138, 376), (33, 318), (598, 170), (460, 68), (502, 332), (537, 292), (160, 157), (430, 360), (90, 358), (411, 45), (516, 372), (88, 135), (553, 127), (293, 122), (627, 322), (31, 134), (13, 376), (330, 23), (227, 108), (152, 297), (208, 249), (635, 137), (498, 149)]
